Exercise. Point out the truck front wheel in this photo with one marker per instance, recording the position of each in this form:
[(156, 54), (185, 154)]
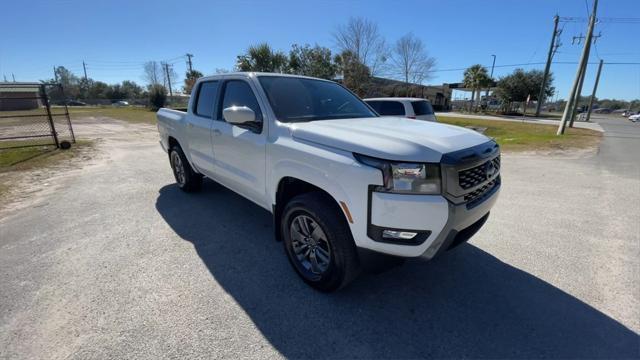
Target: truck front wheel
[(187, 179), (318, 242)]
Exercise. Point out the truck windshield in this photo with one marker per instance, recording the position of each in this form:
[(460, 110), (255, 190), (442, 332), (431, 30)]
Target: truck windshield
[(297, 99)]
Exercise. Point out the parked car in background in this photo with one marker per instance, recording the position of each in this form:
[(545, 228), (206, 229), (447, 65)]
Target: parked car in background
[(635, 118), (339, 180), (76, 103), (412, 108), (120, 103)]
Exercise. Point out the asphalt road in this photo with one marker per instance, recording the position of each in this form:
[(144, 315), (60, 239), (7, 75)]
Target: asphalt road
[(113, 261)]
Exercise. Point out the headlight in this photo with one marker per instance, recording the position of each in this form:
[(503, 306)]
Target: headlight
[(406, 178)]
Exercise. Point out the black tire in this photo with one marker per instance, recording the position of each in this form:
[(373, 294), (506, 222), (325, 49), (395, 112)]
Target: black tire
[(343, 265), (187, 179)]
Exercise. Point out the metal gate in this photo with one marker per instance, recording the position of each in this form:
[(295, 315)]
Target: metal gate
[(27, 117)]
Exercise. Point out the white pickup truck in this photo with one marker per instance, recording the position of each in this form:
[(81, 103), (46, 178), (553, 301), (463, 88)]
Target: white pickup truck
[(340, 180)]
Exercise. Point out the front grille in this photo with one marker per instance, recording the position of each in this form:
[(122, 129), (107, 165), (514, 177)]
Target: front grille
[(469, 178), (478, 195)]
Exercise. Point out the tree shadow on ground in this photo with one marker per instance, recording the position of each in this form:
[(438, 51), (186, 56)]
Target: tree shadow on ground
[(464, 304)]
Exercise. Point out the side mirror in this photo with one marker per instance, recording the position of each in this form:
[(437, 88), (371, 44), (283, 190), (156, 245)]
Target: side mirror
[(238, 115)]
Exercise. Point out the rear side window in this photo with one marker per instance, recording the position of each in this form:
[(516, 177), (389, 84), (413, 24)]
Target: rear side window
[(206, 99), (422, 107), (387, 108)]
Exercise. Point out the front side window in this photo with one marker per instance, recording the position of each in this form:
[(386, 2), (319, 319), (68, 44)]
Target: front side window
[(422, 108), (239, 93), (298, 99), (387, 108), (207, 95)]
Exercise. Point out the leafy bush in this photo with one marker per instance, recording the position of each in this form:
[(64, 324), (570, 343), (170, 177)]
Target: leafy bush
[(157, 97)]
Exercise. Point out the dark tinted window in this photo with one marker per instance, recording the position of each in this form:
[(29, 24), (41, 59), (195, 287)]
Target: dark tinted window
[(422, 107), (376, 105), (387, 108), (206, 98), (239, 93), (299, 99)]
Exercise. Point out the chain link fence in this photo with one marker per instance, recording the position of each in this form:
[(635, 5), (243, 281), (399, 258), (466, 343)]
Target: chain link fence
[(27, 118), (131, 101)]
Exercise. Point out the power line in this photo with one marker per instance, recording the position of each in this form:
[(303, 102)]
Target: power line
[(539, 63), (609, 20), (595, 47), (586, 6)]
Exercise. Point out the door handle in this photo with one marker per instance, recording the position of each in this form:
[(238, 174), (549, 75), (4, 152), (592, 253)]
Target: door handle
[(217, 132)]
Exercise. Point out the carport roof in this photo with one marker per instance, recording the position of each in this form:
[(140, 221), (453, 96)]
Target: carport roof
[(7, 87)]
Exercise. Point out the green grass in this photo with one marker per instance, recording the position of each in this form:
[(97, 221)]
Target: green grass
[(13, 157), (32, 157), (517, 136), (132, 114), (25, 158)]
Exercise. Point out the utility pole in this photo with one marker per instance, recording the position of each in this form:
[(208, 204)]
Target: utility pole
[(166, 69), (595, 88), (583, 62), (14, 77), (84, 66), (578, 95), (493, 65), (55, 73), (547, 67), (582, 76), (164, 76), (189, 56)]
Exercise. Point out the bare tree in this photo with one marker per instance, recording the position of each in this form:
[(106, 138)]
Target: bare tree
[(361, 38), (153, 73), (410, 60)]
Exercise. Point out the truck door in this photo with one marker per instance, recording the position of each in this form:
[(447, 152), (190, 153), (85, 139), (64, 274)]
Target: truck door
[(240, 150), (199, 124)]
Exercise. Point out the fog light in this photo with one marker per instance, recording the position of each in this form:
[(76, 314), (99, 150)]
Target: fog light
[(393, 234)]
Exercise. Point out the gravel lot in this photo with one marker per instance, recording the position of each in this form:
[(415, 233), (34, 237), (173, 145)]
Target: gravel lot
[(111, 260)]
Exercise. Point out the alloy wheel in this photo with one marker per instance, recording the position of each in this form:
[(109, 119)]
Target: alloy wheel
[(310, 244), (178, 168)]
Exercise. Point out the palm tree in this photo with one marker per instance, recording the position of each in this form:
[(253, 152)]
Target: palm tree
[(262, 58), (476, 77)]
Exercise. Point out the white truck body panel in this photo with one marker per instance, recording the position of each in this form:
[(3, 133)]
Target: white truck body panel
[(394, 138)]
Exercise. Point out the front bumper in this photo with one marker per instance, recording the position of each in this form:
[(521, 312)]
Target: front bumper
[(462, 224), (440, 224), (443, 221)]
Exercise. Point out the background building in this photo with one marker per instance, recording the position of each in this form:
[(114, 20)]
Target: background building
[(19, 96)]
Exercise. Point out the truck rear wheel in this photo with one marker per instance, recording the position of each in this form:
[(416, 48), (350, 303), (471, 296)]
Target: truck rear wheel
[(187, 179), (318, 242)]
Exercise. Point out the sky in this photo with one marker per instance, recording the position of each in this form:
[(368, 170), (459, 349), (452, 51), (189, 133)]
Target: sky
[(114, 38)]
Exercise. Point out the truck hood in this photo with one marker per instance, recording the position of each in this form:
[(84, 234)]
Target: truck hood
[(390, 138)]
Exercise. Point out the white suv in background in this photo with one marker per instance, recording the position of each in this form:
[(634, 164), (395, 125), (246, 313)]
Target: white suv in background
[(412, 108)]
